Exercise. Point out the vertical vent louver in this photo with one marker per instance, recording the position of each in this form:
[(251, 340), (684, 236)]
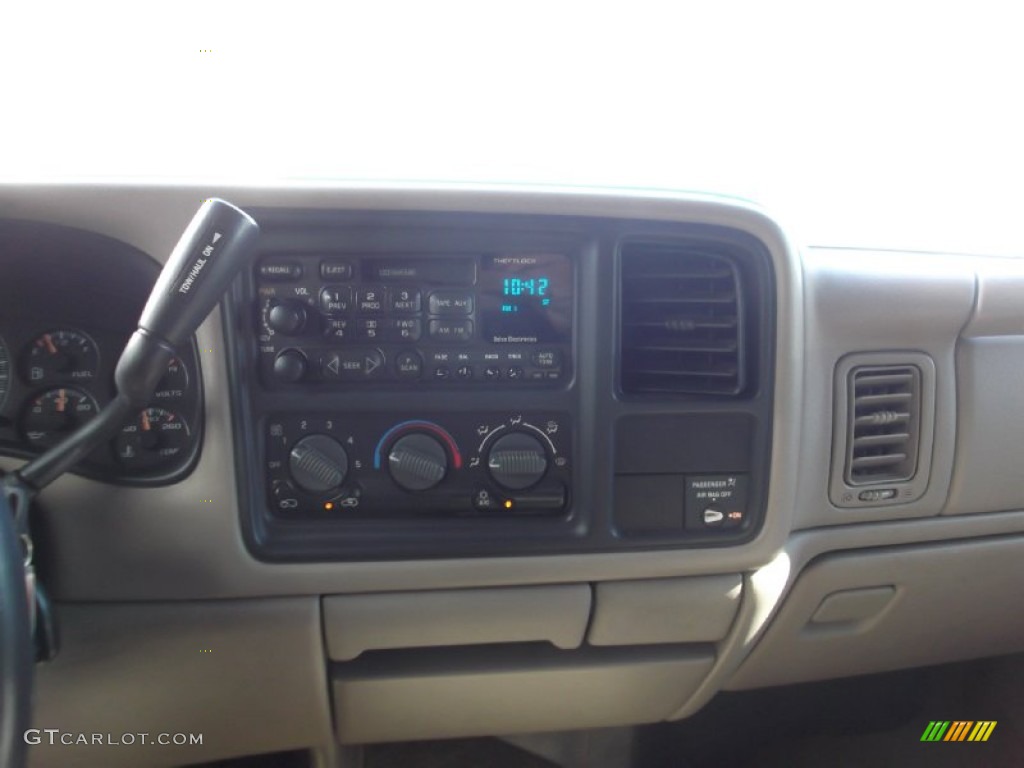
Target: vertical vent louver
[(884, 418), (681, 321)]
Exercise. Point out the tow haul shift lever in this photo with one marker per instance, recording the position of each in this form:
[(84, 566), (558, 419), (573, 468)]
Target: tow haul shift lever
[(217, 243)]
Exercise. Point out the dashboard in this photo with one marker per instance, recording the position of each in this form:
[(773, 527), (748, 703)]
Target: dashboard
[(454, 461)]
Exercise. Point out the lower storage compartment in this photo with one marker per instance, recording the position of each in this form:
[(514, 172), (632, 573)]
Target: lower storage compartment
[(451, 692)]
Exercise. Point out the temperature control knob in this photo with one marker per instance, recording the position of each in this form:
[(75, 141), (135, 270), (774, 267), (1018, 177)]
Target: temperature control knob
[(287, 317), (517, 461), (417, 462), (318, 463)]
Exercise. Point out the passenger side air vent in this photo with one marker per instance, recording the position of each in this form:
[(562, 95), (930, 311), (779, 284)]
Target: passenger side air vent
[(885, 408), (884, 428), (682, 320)]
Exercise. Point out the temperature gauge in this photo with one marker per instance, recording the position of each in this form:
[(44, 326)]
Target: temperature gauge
[(55, 413), (155, 437), (62, 355)]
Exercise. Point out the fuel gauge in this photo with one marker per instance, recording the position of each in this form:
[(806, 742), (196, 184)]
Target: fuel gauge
[(62, 355), (155, 437)]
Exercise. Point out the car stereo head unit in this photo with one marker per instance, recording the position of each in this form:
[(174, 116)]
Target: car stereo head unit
[(486, 320)]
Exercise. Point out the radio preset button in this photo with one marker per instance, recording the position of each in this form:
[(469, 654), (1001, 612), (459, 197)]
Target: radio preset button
[(451, 330), (406, 329), (339, 330), (370, 300), (335, 270), (405, 300), (335, 299), (369, 330), (451, 303)]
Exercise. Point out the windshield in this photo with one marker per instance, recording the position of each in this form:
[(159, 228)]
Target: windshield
[(885, 125)]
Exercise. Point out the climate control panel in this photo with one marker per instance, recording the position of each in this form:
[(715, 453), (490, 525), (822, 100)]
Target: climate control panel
[(383, 466)]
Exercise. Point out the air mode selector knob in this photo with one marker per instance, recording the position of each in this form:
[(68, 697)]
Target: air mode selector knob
[(318, 463), (417, 462), (287, 317), (517, 461)]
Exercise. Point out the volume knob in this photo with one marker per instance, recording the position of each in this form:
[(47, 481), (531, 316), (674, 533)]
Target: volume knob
[(287, 317), (517, 461), (417, 462), (318, 463)]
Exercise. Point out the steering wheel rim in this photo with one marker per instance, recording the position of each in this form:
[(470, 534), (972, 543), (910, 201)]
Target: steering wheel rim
[(15, 645)]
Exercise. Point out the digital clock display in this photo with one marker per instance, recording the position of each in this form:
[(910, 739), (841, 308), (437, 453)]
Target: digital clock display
[(530, 286), (526, 298)]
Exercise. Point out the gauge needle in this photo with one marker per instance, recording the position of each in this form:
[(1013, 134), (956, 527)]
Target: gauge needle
[(62, 401), (145, 421), (49, 344)]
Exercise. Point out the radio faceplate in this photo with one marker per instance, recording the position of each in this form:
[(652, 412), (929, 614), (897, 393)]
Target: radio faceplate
[(406, 320)]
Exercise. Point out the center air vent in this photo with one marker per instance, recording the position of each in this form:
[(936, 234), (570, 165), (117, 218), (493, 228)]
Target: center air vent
[(885, 405), (682, 320)]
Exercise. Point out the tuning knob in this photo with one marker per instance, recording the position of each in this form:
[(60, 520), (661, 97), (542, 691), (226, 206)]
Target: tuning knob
[(287, 317), (318, 463), (417, 462), (517, 461), (290, 365)]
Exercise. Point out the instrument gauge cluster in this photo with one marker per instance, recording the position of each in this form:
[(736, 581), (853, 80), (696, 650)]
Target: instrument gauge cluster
[(69, 302)]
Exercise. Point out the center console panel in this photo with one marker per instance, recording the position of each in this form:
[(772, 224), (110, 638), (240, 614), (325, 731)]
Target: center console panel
[(437, 385)]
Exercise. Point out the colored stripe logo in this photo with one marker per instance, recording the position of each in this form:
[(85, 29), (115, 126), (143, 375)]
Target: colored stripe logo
[(958, 730)]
